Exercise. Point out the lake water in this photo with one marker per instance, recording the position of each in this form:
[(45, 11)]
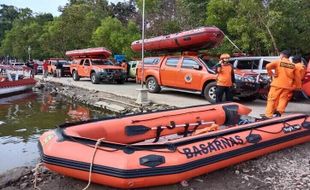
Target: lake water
[(24, 117)]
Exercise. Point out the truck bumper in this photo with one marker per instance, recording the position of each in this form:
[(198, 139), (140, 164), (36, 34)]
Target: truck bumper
[(111, 76), (245, 89)]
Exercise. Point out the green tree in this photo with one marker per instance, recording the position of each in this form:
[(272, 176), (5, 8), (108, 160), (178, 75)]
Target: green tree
[(7, 15), (113, 35)]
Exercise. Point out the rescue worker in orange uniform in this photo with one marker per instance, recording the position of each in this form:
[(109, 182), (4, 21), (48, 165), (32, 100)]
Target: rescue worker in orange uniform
[(225, 79), (285, 75), (302, 70)]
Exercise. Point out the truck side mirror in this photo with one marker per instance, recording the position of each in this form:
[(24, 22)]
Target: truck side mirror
[(197, 67)]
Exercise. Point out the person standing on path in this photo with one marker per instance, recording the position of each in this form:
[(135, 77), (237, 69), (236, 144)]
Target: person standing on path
[(45, 68), (225, 79), (58, 69), (284, 76)]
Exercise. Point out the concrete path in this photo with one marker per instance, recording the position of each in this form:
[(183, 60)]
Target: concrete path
[(170, 97)]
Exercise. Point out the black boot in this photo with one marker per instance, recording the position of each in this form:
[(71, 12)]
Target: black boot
[(277, 114)]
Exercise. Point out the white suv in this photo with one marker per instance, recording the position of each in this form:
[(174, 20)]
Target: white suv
[(255, 64)]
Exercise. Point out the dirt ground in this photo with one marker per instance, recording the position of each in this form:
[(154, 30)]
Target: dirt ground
[(286, 169)]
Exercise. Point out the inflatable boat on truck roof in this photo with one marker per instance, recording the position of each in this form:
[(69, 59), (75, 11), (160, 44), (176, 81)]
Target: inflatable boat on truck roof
[(99, 52), (196, 39), (166, 147)]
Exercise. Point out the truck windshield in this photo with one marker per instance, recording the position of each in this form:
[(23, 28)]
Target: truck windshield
[(101, 62), (210, 64)]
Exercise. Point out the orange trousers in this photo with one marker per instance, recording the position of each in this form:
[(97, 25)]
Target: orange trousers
[(289, 97), (277, 100)]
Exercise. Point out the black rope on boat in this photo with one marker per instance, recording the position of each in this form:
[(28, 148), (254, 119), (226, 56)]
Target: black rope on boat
[(186, 130), (196, 127), (159, 129)]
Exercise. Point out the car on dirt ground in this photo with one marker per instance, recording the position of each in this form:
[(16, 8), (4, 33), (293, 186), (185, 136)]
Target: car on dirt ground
[(132, 67), (97, 70), (190, 73), (258, 64), (65, 71)]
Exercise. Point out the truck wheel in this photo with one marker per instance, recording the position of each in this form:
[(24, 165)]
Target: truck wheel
[(94, 79), (75, 76), (120, 81), (248, 98), (209, 92), (152, 85)]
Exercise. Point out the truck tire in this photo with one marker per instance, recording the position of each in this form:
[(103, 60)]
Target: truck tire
[(209, 92), (248, 98), (75, 76), (120, 81), (152, 85), (94, 79)]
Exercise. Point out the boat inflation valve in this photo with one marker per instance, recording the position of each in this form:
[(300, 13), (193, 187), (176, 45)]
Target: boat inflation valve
[(152, 160), (306, 125), (253, 138)]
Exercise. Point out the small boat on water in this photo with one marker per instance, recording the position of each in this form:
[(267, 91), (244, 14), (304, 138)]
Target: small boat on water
[(196, 39), (15, 79), (166, 147)]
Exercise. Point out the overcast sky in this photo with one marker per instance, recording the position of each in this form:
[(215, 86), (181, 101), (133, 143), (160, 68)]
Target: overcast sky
[(42, 6)]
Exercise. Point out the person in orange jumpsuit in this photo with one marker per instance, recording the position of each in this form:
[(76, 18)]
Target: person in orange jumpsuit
[(297, 85), (285, 75), (225, 79)]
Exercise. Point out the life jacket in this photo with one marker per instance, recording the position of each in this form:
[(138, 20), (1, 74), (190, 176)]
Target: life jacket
[(285, 73), (225, 75)]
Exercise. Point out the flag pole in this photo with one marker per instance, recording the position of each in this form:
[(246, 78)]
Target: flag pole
[(142, 53)]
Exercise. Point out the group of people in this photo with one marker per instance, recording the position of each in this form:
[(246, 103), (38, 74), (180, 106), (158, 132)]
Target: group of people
[(286, 77), (58, 66)]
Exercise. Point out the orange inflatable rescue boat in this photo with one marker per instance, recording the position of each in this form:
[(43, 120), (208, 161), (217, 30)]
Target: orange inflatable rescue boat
[(166, 147), (196, 39)]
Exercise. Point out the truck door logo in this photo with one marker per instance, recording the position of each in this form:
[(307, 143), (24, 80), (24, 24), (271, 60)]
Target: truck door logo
[(188, 78)]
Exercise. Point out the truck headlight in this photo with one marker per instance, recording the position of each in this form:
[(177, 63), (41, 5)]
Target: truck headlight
[(249, 79)]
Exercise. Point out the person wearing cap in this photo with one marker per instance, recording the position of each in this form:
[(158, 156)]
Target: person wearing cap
[(225, 79), (284, 75)]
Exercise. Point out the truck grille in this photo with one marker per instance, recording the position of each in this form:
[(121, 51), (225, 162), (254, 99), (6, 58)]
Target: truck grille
[(113, 71)]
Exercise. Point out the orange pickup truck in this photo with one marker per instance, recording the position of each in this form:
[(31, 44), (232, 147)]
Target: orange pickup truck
[(93, 63), (190, 73), (52, 66), (97, 70)]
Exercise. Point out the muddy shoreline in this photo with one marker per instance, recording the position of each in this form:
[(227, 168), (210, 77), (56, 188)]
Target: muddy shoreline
[(286, 169)]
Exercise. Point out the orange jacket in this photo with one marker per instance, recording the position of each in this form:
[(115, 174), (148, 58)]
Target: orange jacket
[(225, 75), (285, 74)]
